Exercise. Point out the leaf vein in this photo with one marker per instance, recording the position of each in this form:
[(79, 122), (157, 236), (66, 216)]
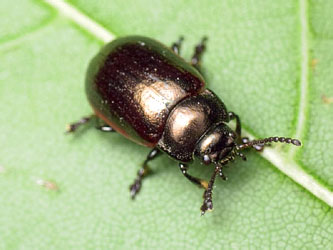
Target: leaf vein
[(82, 20), (304, 73)]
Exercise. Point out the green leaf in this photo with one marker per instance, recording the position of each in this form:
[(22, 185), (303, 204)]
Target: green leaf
[(270, 62)]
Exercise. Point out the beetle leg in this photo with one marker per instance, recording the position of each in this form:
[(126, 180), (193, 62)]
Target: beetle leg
[(199, 49), (222, 175), (208, 201), (201, 183), (143, 171), (233, 116), (176, 45), (72, 127)]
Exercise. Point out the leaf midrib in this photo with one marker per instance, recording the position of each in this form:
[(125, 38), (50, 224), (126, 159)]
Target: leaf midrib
[(287, 166), (304, 74)]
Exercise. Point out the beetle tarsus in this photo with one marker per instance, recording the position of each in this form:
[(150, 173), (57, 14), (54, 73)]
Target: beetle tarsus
[(198, 51), (207, 204), (72, 127), (144, 171), (177, 45), (136, 186)]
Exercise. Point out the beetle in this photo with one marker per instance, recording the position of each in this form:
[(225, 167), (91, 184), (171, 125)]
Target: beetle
[(145, 91)]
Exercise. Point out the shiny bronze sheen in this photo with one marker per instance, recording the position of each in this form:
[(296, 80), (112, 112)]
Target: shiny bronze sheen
[(188, 122), (148, 93), (133, 84)]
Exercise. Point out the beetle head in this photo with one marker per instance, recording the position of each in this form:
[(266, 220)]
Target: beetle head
[(217, 144)]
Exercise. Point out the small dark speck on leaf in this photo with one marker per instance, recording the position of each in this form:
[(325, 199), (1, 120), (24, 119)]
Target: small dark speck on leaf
[(48, 185), (327, 100), (314, 63)]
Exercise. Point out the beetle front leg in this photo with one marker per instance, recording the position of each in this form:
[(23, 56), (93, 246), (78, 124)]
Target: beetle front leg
[(207, 204), (201, 183), (143, 171)]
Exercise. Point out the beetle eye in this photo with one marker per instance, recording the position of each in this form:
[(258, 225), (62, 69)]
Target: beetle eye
[(206, 160), (232, 135)]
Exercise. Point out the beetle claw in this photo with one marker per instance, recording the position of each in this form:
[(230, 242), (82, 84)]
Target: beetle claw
[(135, 188), (207, 204)]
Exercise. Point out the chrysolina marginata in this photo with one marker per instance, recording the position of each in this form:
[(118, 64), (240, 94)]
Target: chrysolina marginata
[(145, 91)]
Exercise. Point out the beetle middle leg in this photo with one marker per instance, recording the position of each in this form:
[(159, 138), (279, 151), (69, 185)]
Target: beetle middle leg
[(143, 171), (176, 45), (201, 183), (72, 127), (198, 51)]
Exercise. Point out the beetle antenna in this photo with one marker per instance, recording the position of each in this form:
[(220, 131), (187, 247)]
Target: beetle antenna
[(268, 140)]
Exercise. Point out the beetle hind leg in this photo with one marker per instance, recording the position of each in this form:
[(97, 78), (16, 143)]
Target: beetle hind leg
[(198, 51), (143, 172), (176, 45)]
